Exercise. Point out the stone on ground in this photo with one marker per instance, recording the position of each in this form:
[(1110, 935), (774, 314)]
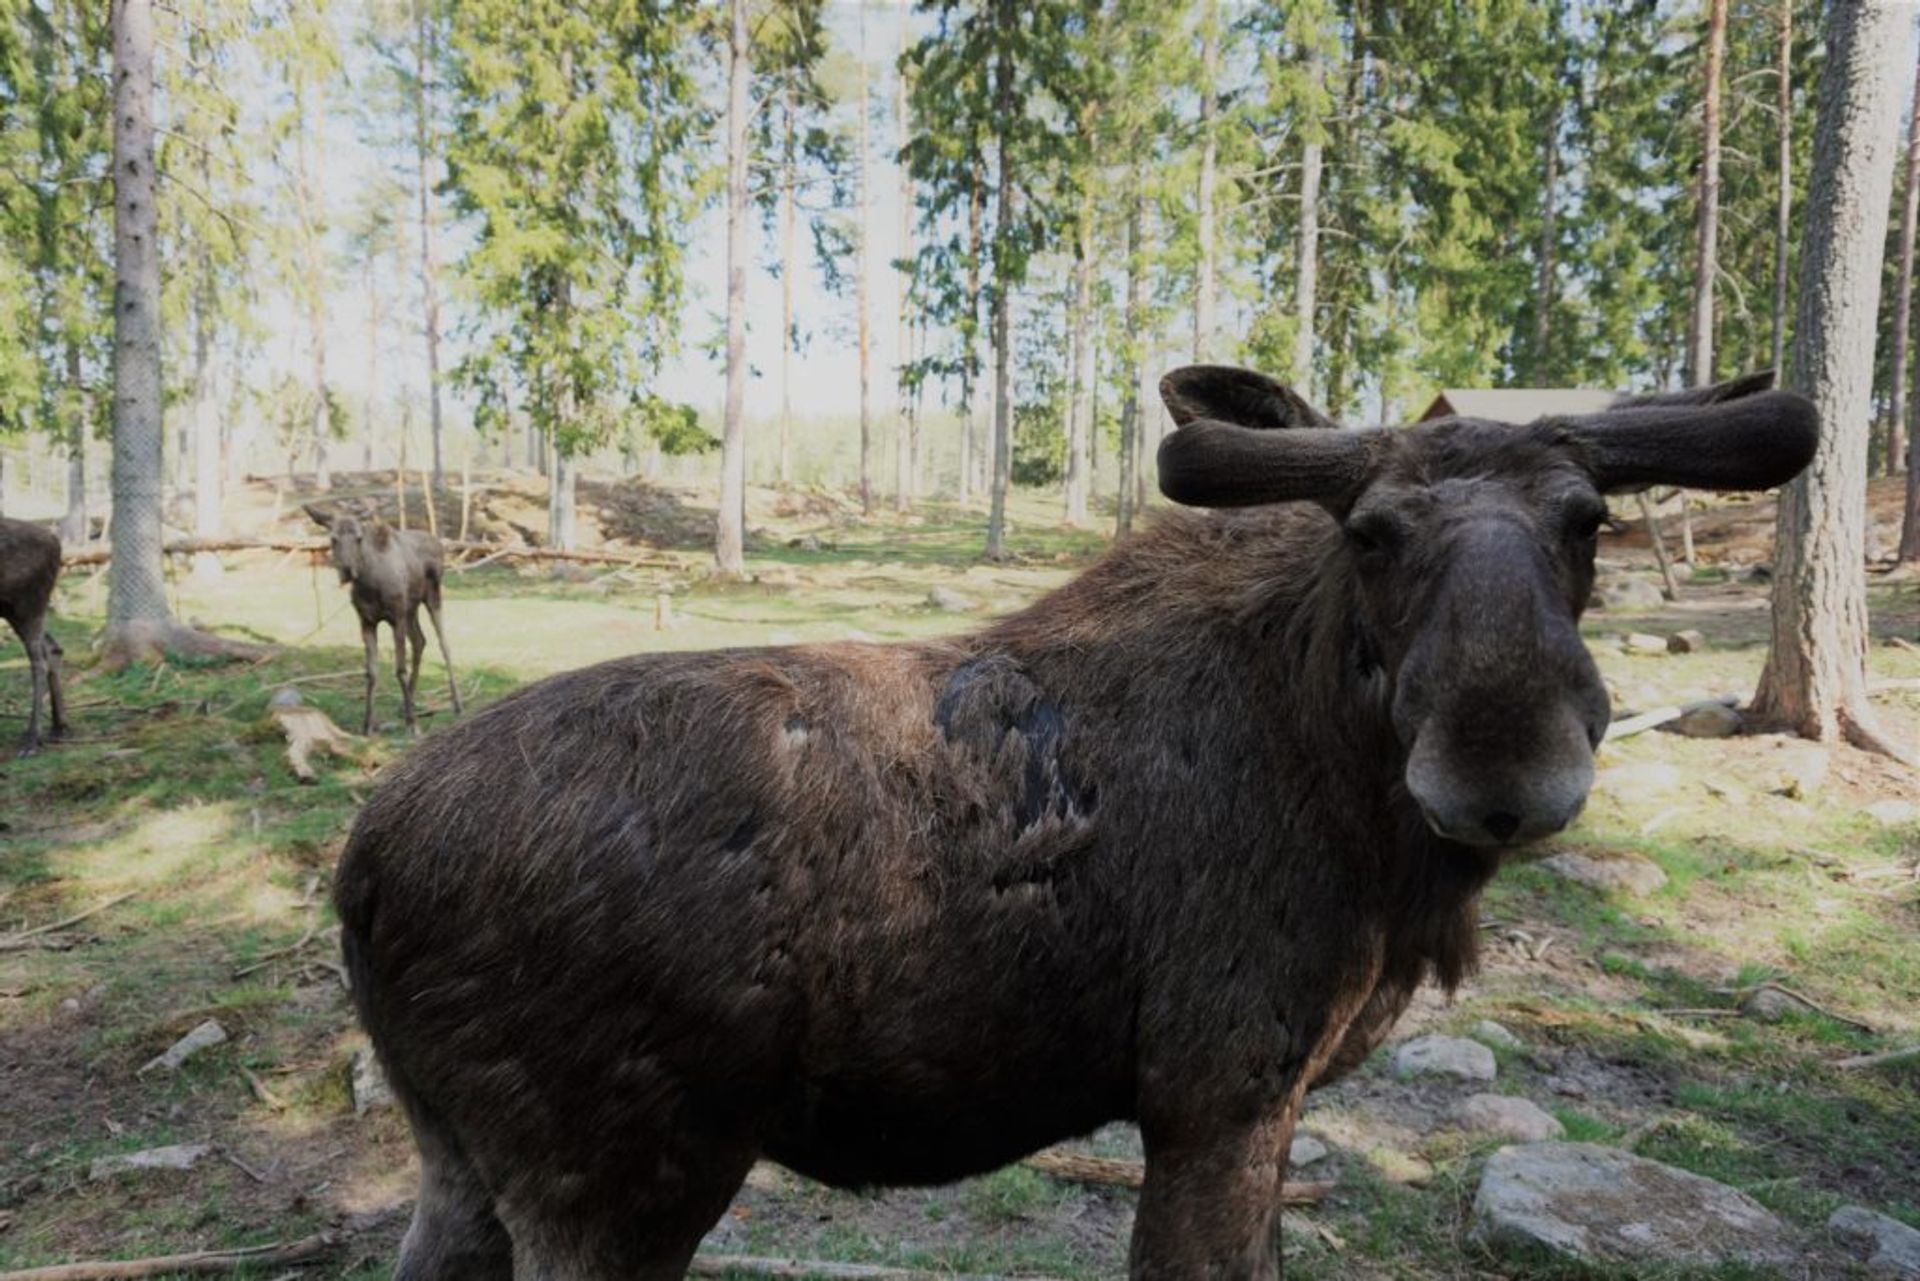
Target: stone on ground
[(949, 601), (1305, 1151), (1607, 870), (1497, 1035), (1627, 592), (1644, 643), (1710, 720), (1892, 813), (177, 1156), (204, 1036), (1890, 1247), (1448, 1056), (1509, 1117), (1592, 1203)]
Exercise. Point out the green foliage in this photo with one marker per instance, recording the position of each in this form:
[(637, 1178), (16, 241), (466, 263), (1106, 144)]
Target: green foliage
[(574, 128)]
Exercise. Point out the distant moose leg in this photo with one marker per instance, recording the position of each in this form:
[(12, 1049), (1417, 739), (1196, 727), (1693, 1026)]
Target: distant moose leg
[(32, 634), (56, 693), (370, 639), (400, 672), (1210, 1207), (416, 637), (440, 633)]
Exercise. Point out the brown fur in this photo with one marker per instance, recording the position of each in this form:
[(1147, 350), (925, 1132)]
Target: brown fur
[(29, 567), (901, 914), (391, 573)]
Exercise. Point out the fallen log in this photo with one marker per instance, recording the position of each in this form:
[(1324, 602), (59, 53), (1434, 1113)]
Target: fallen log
[(1112, 1172), (1628, 726), (198, 1263), (318, 546), (1901, 1055)]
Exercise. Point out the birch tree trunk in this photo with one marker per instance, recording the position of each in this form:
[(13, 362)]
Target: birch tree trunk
[(315, 288), (1814, 682), (903, 418), (788, 263), (863, 179), (429, 267), (970, 408), (730, 528), (1549, 243), (1130, 370), (996, 548), (206, 429)]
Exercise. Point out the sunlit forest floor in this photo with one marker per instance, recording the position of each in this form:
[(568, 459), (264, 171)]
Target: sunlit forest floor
[(174, 804)]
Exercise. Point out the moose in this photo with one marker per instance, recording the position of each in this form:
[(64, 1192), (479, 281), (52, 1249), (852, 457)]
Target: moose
[(29, 567), (1172, 845), (391, 573)]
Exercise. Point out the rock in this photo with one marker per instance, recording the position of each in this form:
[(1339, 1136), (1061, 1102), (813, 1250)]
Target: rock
[(1682, 572), (1643, 643), (1709, 720), (1509, 1117), (1627, 592), (1305, 1151), (949, 601), (1400, 1167), (1592, 1203), (370, 1089), (1607, 870), (1687, 642), (208, 1034), (1487, 1032), (177, 1156), (1893, 813), (1451, 1056), (285, 696), (1890, 1247)]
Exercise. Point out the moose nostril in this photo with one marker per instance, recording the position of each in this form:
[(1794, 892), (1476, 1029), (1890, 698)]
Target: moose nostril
[(1501, 824)]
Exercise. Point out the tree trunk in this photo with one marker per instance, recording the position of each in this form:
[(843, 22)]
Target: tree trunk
[(1549, 244), (1130, 367), (903, 424), (315, 288), (1783, 205), (1903, 296), (970, 377), (862, 178), (1080, 386), (562, 503), (731, 524), (423, 53), (138, 619), (1204, 287), (1707, 228), (789, 164), (76, 525), (996, 548), (1306, 267), (1814, 682), (206, 430)]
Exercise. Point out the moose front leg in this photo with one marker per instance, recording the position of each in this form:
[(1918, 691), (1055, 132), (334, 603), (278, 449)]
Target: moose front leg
[(1210, 1207), (370, 639)]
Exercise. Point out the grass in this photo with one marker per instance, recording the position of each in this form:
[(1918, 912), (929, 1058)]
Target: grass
[(176, 791)]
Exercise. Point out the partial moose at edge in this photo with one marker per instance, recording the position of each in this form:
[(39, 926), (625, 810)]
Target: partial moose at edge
[(1174, 844), (390, 574), (29, 567)]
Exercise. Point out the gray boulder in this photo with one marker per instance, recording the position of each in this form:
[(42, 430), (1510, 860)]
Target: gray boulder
[(1607, 870), (1509, 1117), (1890, 1247), (1448, 1056), (1591, 1203)]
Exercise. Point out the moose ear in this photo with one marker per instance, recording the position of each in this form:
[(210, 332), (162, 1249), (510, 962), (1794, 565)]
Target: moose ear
[(324, 519), (1749, 442), (1733, 389), (1237, 396)]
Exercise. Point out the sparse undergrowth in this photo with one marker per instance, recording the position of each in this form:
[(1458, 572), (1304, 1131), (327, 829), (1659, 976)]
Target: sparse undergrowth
[(175, 793)]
